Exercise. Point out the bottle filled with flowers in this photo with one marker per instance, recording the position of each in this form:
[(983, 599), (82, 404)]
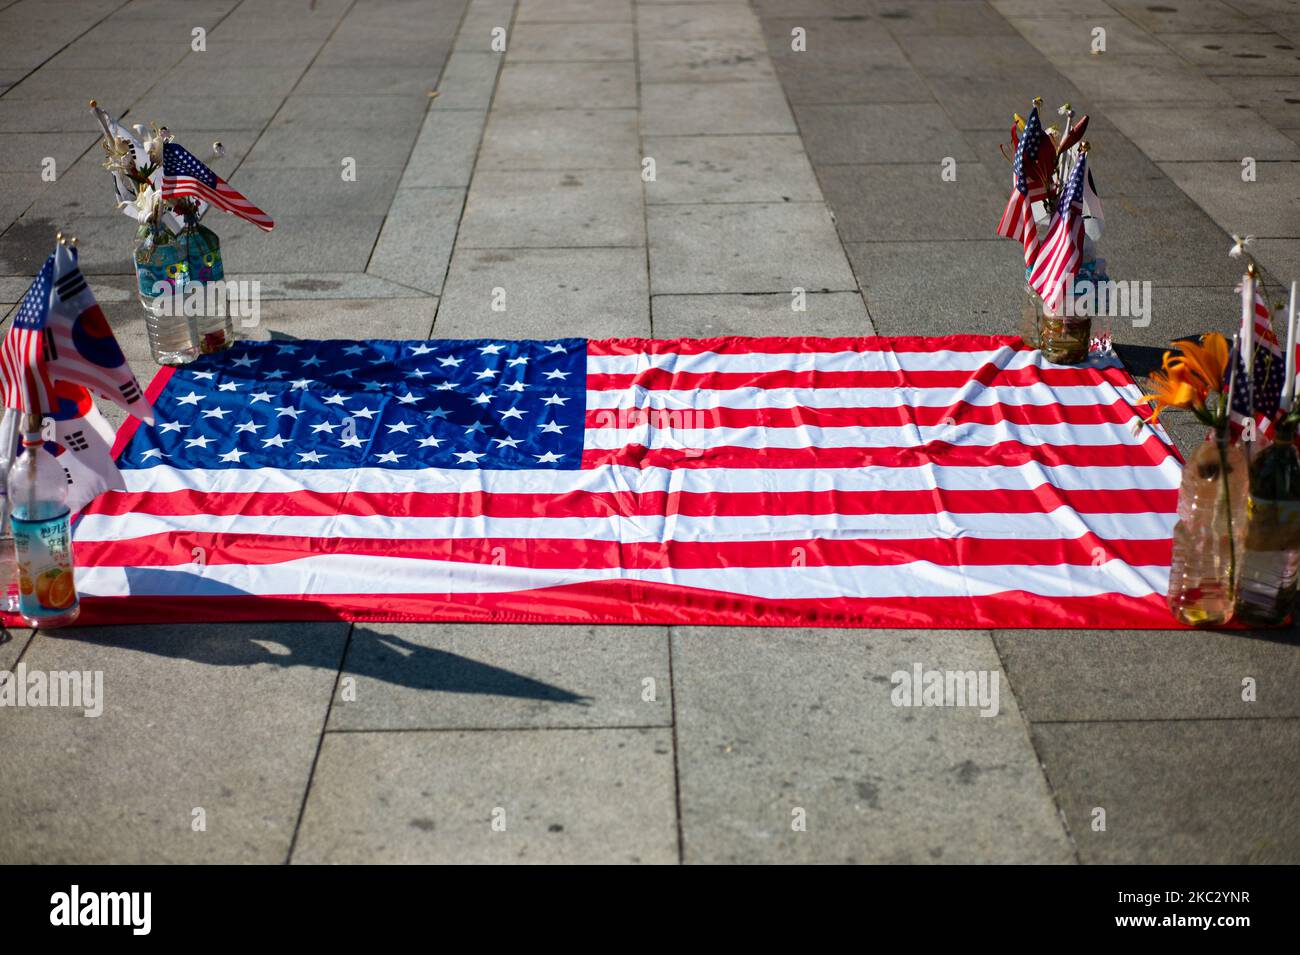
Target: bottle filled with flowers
[(1209, 538)]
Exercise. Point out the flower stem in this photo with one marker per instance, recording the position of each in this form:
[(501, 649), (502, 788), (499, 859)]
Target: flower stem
[(1227, 500)]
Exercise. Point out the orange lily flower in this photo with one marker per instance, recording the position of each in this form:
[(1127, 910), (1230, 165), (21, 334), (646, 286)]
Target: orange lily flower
[(1173, 389), (1207, 362)]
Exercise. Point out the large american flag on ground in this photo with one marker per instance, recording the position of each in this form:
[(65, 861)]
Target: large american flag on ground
[(185, 176), (902, 482)]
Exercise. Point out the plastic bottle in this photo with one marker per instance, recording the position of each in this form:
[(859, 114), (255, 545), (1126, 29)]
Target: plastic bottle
[(1209, 535), (1268, 574), (8, 559), (38, 496)]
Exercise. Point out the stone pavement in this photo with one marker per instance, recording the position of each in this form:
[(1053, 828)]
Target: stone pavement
[(773, 169)]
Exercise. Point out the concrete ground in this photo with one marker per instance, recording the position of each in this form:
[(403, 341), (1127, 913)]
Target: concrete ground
[(773, 169)]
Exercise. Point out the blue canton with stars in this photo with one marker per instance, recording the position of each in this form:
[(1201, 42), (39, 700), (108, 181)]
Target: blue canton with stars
[(505, 405)]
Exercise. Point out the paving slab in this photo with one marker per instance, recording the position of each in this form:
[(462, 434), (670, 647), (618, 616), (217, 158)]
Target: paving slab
[(682, 109), (1206, 16), (1274, 98), (940, 18), (69, 795), (1139, 81), (324, 285), (561, 139), (1269, 206), (988, 102), (105, 244), (880, 133), (63, 115), (748, 247), (306, 147), (703, 60), (1054, 37), (360, 111), (1236, 54), (1120, 168), (13, 642), (319, 190), (343, 318), (313, 243), (1182, 135), (574, 11), (121, 84), (444, 153), (774, 721), (904, 202), (1281, 257), (507, 676), (525, 86), (864, 41), (1183, 791), (553, 209), (1052, 9), (373, 80), (563, 796), (730, 169), (415, 244), (548, 293), (247, 112), (694, 21), (830, 314), (840, 79), (948, 288), (30, 153), (1075, 676), (568, 42), (1141, 229), (467, 81)]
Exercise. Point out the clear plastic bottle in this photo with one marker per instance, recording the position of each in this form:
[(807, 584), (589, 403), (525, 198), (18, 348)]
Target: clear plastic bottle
[(1209, 535), (8, 569), (38, 494), (1268, 573)]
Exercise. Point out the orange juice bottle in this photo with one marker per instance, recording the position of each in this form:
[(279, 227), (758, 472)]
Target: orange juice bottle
[(38, 498)]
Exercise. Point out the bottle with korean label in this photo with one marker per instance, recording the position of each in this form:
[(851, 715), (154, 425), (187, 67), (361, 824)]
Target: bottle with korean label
[(38, 501)]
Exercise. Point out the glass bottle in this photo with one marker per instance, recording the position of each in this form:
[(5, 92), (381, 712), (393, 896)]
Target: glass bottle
[(1064, 339), (1209, 535), (1272, 558), (38, 492)]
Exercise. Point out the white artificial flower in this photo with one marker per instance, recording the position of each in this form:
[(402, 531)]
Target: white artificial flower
[(1239, 244)]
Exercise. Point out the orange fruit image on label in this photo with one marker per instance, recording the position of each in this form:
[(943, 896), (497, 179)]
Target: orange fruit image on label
[(54, 589)]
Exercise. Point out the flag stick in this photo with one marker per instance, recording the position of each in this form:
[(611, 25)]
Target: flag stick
[(1288, 383)]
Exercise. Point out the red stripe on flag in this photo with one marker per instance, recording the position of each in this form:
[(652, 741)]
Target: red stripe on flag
[(618, 601)]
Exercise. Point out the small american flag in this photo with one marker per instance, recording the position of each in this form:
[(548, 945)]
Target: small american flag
[(1258, 394), (1018, 218), (959, 481), (183, 176), (1059, 257), (27, 385)]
